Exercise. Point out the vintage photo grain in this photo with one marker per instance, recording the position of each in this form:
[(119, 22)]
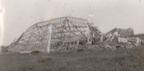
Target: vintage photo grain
[(71, 35)]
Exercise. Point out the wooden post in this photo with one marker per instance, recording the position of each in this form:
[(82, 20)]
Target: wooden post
[(77, 43), (137, 41), (70, 43), (49, 38), (0, 49), (101, 37)]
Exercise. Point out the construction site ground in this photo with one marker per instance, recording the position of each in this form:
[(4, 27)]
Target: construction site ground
[(82, 60)]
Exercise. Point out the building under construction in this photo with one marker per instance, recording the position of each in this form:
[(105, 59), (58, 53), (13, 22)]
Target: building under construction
[(55, 33)]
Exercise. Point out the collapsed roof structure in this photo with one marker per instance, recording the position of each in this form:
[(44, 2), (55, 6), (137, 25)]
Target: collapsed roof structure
[(55, 32), (121, 38), (60, 33), (123, 32)]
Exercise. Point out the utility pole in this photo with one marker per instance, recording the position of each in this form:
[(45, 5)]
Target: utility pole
[(49, 38)]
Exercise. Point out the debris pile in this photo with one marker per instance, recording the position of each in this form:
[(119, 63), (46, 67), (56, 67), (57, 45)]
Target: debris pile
[(120, 38)]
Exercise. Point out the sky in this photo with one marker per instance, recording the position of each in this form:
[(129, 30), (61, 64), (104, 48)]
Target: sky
[(19, 15)]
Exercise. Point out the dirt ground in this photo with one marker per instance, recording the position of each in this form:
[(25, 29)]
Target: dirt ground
[(88, 60)]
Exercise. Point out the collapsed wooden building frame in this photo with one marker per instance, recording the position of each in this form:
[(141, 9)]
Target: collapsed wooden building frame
[(60, 33), (55, 33), (122, 38)]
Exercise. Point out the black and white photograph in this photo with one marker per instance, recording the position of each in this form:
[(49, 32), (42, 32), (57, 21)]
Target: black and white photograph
[(71, 35)]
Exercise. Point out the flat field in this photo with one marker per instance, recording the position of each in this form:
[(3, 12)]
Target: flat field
[(87, 60)]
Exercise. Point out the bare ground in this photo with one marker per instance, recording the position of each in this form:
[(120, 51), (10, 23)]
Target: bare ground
[(89, 60)]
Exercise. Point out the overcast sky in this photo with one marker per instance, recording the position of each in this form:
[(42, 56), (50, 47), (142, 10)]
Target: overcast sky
[(106, 14)]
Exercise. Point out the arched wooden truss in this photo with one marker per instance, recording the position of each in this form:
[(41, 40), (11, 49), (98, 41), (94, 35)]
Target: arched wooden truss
[(65, 31)]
